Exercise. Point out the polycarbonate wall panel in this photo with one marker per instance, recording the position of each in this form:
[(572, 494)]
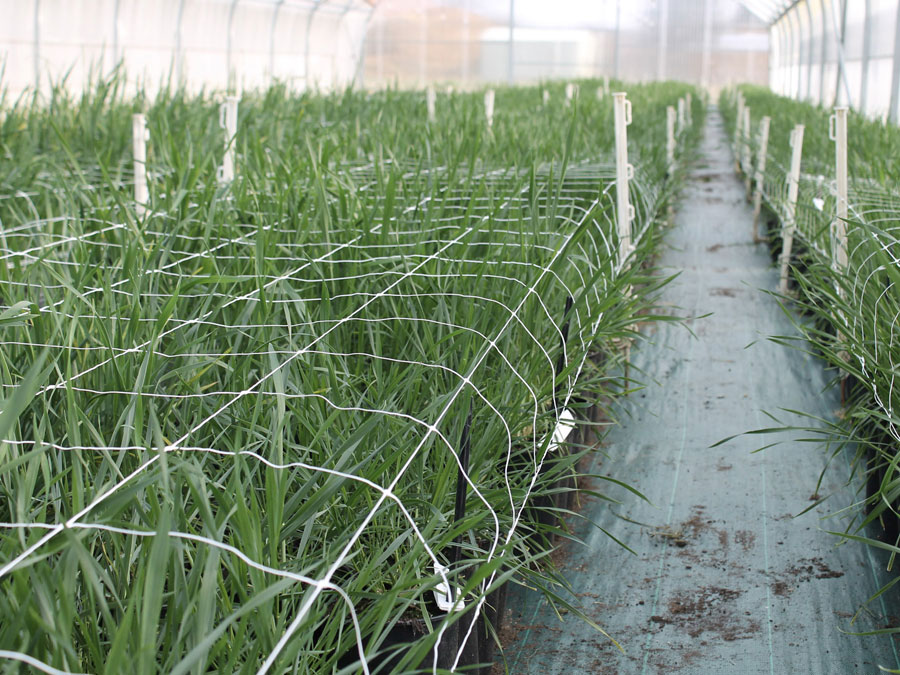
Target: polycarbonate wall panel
[(469, 42), (211, 44), (838, 52)]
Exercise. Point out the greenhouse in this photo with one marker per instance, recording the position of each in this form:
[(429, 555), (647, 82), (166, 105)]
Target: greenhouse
[(430, 336)]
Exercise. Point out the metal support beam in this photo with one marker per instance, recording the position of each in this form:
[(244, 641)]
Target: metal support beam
[(809, 56), (895, 73), (37, 45), (826, 7), (839, 33), (663, 39), (307, 71), (866, 56), (178, 57), (706, 58), (272, 25), (511, 53), (229, 65), (617, 39)]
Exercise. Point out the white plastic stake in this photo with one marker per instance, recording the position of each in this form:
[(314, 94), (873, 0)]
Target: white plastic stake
[(140, 136), (546, 98), (571, 92), (738, 123), (761, 156), (681, 120), (600, 93), (624, 172), (670, 138), (228, 121), (430, 98), (688, 102), (838, 133), (787, 232), (489, 107), (606, 85), (746, 155)]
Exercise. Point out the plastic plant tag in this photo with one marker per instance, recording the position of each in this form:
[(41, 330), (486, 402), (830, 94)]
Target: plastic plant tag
[(442, 591), (563, 428)]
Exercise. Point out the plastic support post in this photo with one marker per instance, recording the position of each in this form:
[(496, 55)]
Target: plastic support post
[(790, 221), (738, 123), (670, 138), (571, 93), (228, 121), (839, 229), (747, 159), (430, 99), (761, 157), (545, 98), (624, 212), (606, 85), (688, 103), (140, 136), (681, 119), (600, 93), (489, 107)]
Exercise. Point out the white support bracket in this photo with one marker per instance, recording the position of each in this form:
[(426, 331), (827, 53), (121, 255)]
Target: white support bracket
[(670, 138), (761, 157), (624, 172), (430, 100), (790, 221), (489, 107), (140, 136), (838, 133), (228, 114)]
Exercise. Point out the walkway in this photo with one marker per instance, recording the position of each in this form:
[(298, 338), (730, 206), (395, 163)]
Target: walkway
[(724, 580)]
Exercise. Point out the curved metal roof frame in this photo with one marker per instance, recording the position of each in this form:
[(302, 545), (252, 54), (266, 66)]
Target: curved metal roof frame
[(769, 10)]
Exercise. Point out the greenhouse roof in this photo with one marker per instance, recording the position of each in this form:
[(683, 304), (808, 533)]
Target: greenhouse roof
[(769, 10)]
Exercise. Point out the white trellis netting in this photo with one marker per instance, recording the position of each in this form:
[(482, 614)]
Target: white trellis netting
[(269, 389)]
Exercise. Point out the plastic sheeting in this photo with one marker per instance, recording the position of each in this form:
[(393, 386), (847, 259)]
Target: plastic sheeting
[(724, 579), (212, 44)]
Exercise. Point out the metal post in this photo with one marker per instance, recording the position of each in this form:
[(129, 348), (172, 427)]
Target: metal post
[(489, 108), (465, 38), (616, 41), (824, 51), (511, 66), (275, 12), (307, 71), (838, 133), (430, 98), (663, 40), (178, 61), (115, 45), (787, 232), (760, 172), (228, 121), (36, 47), (624, 172), (895, 73), (809, 53), (670, 138), (842, 67), (139, 138), (794, 78), (706, 59), (866, 56), (229, 44), (423, 44)]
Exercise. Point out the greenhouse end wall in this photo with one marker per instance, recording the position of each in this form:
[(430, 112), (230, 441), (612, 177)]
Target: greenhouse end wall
[(201, 44)]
